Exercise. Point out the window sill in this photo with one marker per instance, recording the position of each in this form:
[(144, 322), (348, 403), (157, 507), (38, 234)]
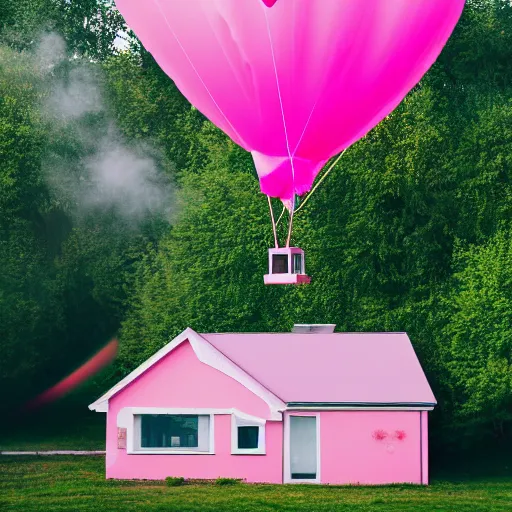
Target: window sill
[(168, 452), (248, 452), (303, 481)]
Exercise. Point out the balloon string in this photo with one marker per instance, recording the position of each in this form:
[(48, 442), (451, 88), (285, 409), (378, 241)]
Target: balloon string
[(281, 216), (273, 222), (290, 224), (321, 179), (284, 126)]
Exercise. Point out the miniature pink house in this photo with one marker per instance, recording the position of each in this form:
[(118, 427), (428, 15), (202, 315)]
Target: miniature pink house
[(286, 266), (307, 406)]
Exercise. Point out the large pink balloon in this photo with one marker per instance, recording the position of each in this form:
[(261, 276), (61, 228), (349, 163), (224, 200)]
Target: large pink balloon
[(293, 81)]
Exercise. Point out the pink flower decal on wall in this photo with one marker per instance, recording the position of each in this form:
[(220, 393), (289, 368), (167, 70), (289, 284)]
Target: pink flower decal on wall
[(400, 435), (379, 435)]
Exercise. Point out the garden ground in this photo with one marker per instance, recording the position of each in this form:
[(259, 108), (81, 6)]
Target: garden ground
[(67, 483), (481, 482)]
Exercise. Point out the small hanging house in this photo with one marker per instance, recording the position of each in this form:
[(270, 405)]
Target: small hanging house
[(286, 266)]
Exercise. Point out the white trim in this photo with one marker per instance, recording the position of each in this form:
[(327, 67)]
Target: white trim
[(207, 354), (126, 412), (239, 421), (362, 408), (101, 407), (126, 418), (287, 477)]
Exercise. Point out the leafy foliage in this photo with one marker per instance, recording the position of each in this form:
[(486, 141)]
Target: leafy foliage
[(479, 330), (174, 481), (411, 232)]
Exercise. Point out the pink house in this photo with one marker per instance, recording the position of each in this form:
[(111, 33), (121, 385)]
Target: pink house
[(315, 407)]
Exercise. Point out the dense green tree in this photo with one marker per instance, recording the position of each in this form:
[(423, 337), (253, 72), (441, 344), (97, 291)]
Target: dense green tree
[(478, 331), (410, 231), (64, 275), (379, 235), (26, 294), (90, 27)]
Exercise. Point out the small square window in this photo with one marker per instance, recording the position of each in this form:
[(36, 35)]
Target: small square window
[(280, 264), (248, 437)]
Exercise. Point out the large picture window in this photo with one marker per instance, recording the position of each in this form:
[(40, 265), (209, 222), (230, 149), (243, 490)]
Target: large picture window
[(172, 432)]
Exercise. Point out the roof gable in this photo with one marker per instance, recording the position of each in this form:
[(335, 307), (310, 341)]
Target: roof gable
[(207, 354)]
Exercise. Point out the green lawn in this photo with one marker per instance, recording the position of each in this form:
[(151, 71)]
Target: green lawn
[(78, 484), (66, 425), (38, 436)]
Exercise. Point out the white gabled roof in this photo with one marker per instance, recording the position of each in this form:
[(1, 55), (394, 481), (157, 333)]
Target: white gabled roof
[(207, 354)]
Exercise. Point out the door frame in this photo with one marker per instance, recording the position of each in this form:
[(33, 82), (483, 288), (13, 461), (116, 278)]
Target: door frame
[(287, 477)]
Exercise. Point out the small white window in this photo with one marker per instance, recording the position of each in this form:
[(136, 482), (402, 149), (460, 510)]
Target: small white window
[(247, 436)]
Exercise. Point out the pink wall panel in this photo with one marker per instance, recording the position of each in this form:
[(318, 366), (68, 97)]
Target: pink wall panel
[(254, 468), (370, 447), (180, 380), (424, 447), (365, 447)]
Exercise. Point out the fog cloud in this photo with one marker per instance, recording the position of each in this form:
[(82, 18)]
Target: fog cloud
[(111, 172)]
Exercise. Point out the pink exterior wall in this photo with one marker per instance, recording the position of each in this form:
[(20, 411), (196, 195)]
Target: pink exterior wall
[(180, 380), (370, 447), (356, 447)]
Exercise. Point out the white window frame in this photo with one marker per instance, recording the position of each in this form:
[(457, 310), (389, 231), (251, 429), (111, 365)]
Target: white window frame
[(203, 436), (287, 453), (129, 418), (239, 420)]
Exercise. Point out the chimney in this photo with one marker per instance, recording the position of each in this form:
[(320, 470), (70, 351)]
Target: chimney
[(313, 328)]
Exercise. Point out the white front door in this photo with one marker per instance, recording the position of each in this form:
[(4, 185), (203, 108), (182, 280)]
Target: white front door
[(303, 450)]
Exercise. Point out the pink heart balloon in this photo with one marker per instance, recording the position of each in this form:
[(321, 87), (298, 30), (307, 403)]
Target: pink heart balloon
[(295, 84)]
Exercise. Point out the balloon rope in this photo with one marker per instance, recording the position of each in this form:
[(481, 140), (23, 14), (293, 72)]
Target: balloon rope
[(290, 224), (281, 216), (321, 179), (290, 156), (273, 222)]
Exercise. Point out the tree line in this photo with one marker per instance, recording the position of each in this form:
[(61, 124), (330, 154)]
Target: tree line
[(411, 231)]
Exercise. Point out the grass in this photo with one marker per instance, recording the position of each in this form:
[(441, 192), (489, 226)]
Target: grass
[(40, 436), (85, 437), (78, 484), (66, 425)]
